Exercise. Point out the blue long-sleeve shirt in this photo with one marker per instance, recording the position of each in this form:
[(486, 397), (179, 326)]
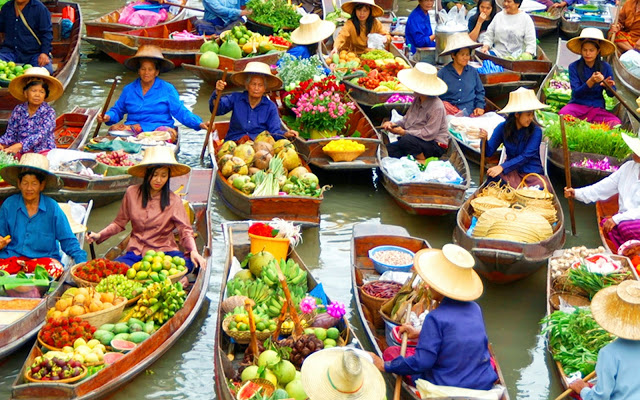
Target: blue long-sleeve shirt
[(418, 30), (156, 108), (464, 91), (226, 10), (246, 120), (452, 349), (617, 372), (581, 93), (523, 154), (17, 36), (37, 236)]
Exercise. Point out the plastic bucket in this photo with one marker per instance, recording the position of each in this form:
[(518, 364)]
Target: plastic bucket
[(278, 247)]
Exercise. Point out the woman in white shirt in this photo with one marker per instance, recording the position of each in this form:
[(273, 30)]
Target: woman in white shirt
[(511, 33)]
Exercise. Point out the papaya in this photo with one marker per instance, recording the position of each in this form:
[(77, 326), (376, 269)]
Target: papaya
[(107, 327), (106, 338)]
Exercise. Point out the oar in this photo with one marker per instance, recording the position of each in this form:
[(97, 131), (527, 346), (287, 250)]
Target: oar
[(621, 100), (213, 117), (248, 304), (106, 105), (569, 391), (91, 248), (181, 6), (403, 352), (567, 174), (483, 150)]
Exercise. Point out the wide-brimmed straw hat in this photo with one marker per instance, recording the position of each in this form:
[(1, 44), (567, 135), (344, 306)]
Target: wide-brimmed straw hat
[(148, 52), (159, 156), (449, 271), (257, 68), (459, 41), (340, 375), (31, 162), (522, 100), (633, 143), (617, 309), (17, 84), (312, 29), (376, 10), (76, 227), (423, 79), (591, 35)]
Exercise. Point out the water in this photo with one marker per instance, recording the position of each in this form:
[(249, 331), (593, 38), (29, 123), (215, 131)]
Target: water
[(186, 371)]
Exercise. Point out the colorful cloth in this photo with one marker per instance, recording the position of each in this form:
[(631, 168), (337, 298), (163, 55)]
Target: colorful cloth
[(226, 10), (17, 37), (34, 132), (624, 231), (617, 378), (348, 39), (581, 93), (418, 30), (426, 118), (523, 152), (13, 265), (594, 115), (624, 37), (629, 20), (465, 90), (511, 34)]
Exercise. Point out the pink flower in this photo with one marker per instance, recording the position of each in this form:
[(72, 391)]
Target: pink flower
[(307, 305), (336, 309)]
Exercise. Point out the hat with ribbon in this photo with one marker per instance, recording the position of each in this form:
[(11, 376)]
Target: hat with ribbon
[(312, 29), (17, 84), (33, 162)]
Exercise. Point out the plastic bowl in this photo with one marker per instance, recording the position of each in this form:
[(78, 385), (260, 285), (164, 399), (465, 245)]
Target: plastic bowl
[(382, 267)]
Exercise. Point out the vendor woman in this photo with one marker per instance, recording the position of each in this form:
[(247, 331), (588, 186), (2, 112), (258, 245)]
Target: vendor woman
[(363, 22), (312, 30), (418, 31), (521, 139), (149, 102), (464, 89), (586, 76), (251, 111), (511, 33), (423, 130), (453, 349)]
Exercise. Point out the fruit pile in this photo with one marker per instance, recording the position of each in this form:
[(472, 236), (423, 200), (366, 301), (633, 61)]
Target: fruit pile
[(343, 59), (328, 337), (255, 289), (273, 366), (116, 158), (76, 302), (159, 302), (133, 330), (301, 347), (9, 70), (86, 352), (240, 321), (120, 285), (61, 332), (296, 276), (157, 266), (55, 369), (95, 270), (343, 145), (280, 41)]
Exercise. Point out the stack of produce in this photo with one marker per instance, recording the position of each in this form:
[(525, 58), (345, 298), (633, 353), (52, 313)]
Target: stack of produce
[(89, 352), (96, 269), (343, 149), (156, 266), (278, 14), (55, 369), (120, 285), (159, 302), (381, 70), (118, 158), (558, 90), (61, 332), (6, 159), (76, 302), (9, 70), (345, 61), (134, 330), (293, 71)]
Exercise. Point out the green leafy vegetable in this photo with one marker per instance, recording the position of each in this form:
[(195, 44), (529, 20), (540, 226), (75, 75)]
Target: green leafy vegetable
[(276, 13), (293, 70), (592, 282)]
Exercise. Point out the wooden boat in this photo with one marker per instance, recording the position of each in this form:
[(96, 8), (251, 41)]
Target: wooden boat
[(66, 54), (429, 198), (365, 237), (572, 29), (604, 209), (503, 261), (109, 22), (531, 70), (27, 315), (227, 355), (198, 188), (304, 210), (626, 78), (546, 25), (212, 75), (471, 153)]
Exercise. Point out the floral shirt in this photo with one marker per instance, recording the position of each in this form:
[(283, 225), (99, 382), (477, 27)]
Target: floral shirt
[(34, 132)]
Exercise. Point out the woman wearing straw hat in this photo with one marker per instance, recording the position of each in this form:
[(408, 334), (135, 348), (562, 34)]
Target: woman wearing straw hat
[(418, 31), (423, 130), (33, 227), (363, 22), (150, 103), (617, 310), (625, 225), (31, 124), (251, 111), (464, 87), (521, 139), (511, 33), (306, 37), (453, 349), (154, 212), (586, 76)]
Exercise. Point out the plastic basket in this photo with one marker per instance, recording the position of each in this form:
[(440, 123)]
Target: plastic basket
[(382, 267), (278, 247)]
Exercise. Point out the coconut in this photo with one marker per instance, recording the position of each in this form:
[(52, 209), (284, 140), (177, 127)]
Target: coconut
[(281, 144), (265, 136), (268, 147), (245, 152), (227, 148), (261, 160), (233, 177), (240, 181), (290, 158), (259, 261), (253, 170), (285, 371), (298, 172), (235, 165)]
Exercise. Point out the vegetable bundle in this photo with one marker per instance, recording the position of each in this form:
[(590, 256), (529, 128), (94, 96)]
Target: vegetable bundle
[(276, 13), (293, 70), (593, 282)]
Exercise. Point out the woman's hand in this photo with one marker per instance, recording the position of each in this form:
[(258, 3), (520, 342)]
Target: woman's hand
[(561, 4), (481, 18), (613, 29), (291, 134), (569, 193), (483, 134), (495, 171), (412, 332), (609, 81), (477, 112), (246, 12), (597, 77), (387, 125), (198, 260), (608, 225), (484, 49), (43, 59), (398, 130), (377, 361), (14, 148), (91, 237), (220, 85), (104, 118), (204, 125), (4, 241), (578, 385)]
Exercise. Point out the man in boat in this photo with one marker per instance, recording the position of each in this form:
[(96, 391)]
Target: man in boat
[(453, 349), (26, 27), (626, 32), (33, 227), (251, 111), (220, 15), (625, 225), (617, 310), (423, 131)]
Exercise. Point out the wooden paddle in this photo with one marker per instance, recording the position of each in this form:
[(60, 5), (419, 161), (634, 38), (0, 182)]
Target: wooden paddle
[(567, 174), (91, 248), (106, 105), (403, 352), (483, 150), (213, 117), (569, 391), (248, 303), (181, 6), (621, 100)]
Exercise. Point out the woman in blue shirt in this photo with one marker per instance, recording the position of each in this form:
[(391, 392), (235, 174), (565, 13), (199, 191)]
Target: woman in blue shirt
[(150, 103), (586, 76), (312, 30), (418, 32)]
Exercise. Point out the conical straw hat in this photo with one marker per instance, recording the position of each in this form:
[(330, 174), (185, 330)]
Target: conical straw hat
[(31, 162), (522, 100), (459, 41), (376, 10), (423, 79), (17, 84), (593, 35), (75, 226), (257, 68), (449, 271), (617, 309), (633, 143), (312, 30), (152, 53), (161, 156)]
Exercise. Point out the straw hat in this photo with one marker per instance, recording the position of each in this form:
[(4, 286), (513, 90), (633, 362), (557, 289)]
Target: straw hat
[(340, 375), (594, 35), (459, 41), (449, 271), (312, 30), (31, 162), (633, 143), (149, 52), (17, 84), (376, 10), (522, 100), (257, 68), (423, 79), (159, 156), (75, 226), (617, 309)]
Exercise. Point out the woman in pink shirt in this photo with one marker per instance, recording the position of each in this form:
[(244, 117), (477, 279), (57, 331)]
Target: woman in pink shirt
[(154, 212)]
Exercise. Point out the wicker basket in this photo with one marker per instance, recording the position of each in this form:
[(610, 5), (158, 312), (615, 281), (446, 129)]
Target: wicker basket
[(484, 203), (133, 301), (78, 281), (108, 316), (338, 156), (27, 376), (550, 214), (512, 224), (523, 195), (45, 345), (572, 299), (373, 304), (230, 303), (243, 337)]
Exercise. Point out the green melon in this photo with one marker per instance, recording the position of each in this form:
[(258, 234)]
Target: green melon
[(230, 49)]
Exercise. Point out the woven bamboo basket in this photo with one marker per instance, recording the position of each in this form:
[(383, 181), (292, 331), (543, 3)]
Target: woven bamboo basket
[(512, 224), (232, 302), (27, 376), (338, 156), (572, 299), (485, 203), (373, 304), (523, 195), (107, 316), (242, 337), (492, 189), (550, 214), (78, 281)]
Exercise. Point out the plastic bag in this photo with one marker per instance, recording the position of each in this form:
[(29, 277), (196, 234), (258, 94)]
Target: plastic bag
[(376, 41), (631, 60), (429, 390), (441, 171), (453, 18), (130, 16), (400, 169)]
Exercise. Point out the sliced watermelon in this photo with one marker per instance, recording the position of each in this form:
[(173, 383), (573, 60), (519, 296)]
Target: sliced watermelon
[(248, 391), (122, 345), (111, 358)]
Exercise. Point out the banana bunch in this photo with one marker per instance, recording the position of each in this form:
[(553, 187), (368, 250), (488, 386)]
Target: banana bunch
[(159, 302), (274, 305), (260, 312), (295, 275), (257, 290)]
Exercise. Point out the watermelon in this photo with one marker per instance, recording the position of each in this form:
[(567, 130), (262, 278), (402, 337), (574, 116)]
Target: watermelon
[(122, 345), (248, 391), (111, 358)]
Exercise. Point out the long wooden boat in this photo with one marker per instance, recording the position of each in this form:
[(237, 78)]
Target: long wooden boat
[(472, 153), (303, 210), (604, 209), (109, 22), (544, 24), (531, 70), (212, 75), (429, 198), (27, 315), (198, 188), (65, 52), (572, 29), (227, 356), (626, 78), (365, 237)]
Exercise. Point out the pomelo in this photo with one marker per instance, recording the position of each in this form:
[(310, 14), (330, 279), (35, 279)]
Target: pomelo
[(210, 60)]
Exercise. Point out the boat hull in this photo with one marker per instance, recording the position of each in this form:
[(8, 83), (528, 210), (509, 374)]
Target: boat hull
[(531, 70), (626, 78), (545, 25), (572, 29)]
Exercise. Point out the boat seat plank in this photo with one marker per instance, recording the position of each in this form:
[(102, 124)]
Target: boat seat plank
[(379, 229)]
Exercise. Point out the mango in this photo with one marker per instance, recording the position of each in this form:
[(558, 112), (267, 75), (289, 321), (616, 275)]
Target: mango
[(138, 337)]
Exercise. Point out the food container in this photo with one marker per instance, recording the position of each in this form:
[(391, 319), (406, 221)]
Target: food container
[(382, 267), (338, 156), (278, 247)]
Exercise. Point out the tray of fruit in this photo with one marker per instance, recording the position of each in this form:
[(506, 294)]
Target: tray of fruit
[(10, 70), (92, 306), (122, 286), (56, 370), (156, 267), (113, 163), (90, 273), (60, 332)]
